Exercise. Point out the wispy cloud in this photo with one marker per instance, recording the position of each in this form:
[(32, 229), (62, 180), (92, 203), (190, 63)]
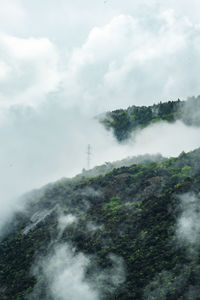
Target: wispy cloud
[(64, 276), (64, 273), (188, 225)]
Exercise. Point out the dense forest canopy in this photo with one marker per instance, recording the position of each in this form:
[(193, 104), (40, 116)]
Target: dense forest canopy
[(125, 121), (132, 233)]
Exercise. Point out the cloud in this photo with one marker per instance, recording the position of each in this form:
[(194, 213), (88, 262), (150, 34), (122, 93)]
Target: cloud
[(165, 283), (166, 139), (48, 100), (188, 225), (64, 221), (64, 276), (12, 14), (177, 281), (62, 63), (69, 22), (175, 284), (129, 60), (43, 145), (132, 61), (29, 70), (64, 273)]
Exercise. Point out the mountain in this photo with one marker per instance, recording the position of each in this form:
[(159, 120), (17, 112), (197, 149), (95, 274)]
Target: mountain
[(124, 122), (130, 233)]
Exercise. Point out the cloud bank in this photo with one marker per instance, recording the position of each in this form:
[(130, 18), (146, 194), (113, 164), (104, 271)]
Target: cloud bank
[(61, 63), (29, 70), (51, 90), (128, 60), (145, 63)]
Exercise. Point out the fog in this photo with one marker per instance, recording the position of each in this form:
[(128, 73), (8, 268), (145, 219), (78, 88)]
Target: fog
[(64, 276), (188, 226), (61, 64), (187, 229), (64, 272), (80, 59), (41, 146)]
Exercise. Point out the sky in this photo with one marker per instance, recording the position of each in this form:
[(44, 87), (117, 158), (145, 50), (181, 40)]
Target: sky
[(63, 62)]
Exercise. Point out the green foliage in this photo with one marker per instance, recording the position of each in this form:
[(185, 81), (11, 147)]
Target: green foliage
[(113, 206), (124, 122), (134, 210)]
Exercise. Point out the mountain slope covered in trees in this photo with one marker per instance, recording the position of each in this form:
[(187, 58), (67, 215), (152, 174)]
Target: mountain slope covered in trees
[(123, 122), (132, 233)]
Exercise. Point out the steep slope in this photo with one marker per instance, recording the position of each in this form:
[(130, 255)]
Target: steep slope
[(125, 121), (132, 233)]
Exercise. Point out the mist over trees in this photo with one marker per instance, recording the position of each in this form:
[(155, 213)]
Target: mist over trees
[(78, 73), (125, 234), (124, 122)]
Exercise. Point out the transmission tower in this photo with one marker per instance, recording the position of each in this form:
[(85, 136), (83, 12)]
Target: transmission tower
[(88, 156)]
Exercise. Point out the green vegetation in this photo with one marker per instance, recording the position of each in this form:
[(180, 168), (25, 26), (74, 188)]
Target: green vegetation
[(135, 210), (125, 121), (130, 209)]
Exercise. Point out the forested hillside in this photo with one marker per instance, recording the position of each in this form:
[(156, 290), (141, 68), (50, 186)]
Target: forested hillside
[(132, 233), (125, 121), (100, 150)]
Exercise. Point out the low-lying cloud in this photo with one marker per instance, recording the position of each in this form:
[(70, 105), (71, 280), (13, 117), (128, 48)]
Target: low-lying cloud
[(42, 146), (64, 221), (64, 276), (51, 93), (64, 273), (177, 282), (167, 139), (188, 225)]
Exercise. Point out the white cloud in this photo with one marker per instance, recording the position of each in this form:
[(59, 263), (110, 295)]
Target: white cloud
[(69, 60), (129, 62), (188, 225), (64, 221), (29, 70), (165, 138), (11, 11), (4, 71), (126, 59), (65, 275), (40, 146)]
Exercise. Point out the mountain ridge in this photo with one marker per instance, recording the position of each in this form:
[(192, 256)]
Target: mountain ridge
[(125, 122), (127, 216)]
